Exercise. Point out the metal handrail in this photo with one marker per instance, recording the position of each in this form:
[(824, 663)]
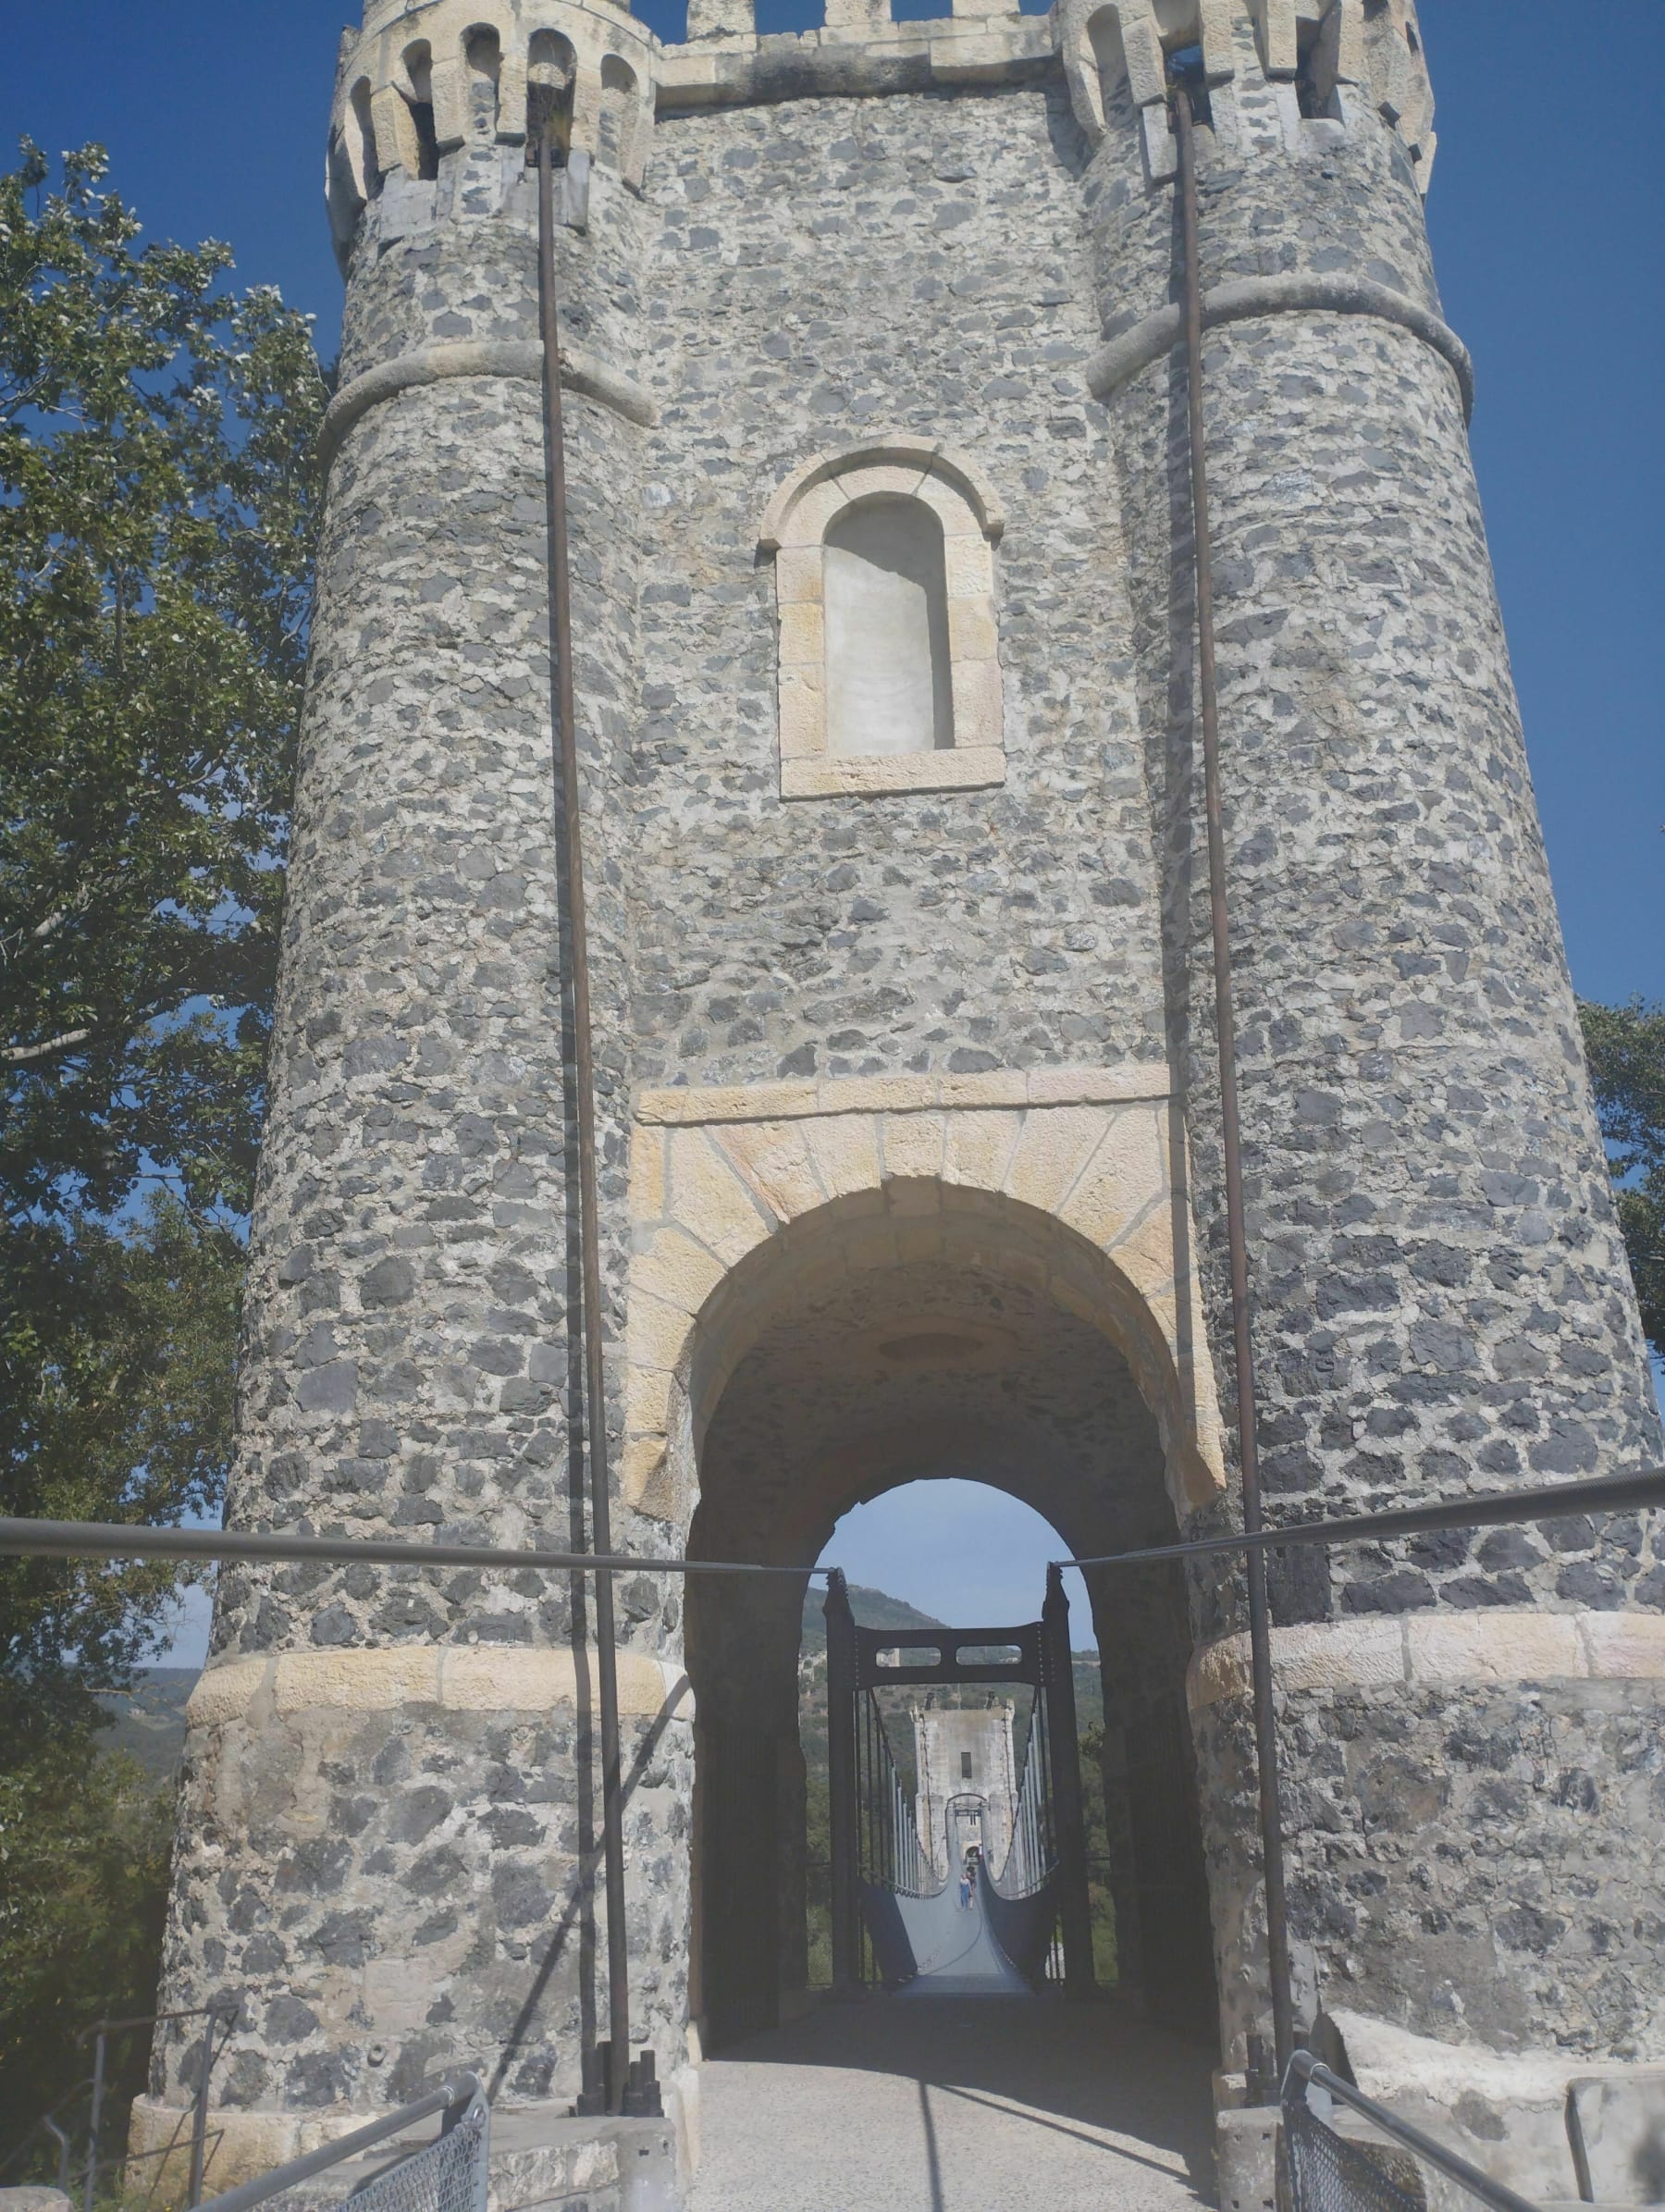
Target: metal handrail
[(47, 2124), (222, 2008), (1304, 2068), (463, 2091)]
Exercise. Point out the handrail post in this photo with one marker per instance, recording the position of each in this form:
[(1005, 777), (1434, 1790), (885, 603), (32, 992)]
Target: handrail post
[(1075, 1907), (94, 2122), (842, 1812), (199, 2118)]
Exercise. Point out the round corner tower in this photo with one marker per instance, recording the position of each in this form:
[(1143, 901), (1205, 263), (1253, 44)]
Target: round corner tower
[(879, 511)]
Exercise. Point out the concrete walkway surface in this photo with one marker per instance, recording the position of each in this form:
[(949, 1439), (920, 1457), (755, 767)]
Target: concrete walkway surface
[(979, 2104)]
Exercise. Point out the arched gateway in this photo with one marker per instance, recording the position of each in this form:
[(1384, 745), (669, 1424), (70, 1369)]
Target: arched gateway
[(911, 1149)]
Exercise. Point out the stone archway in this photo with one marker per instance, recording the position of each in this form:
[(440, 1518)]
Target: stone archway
[(838, 1289)]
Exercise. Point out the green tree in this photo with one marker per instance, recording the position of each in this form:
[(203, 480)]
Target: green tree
[(158, 499), (1625, 1046), (158, 504)]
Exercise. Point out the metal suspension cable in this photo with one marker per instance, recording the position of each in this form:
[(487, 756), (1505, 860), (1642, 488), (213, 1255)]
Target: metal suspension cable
[(1260, 1645), (129, 1539), (1604, 1493), (570, 841)]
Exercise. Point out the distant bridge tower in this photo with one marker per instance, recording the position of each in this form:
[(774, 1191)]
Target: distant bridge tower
[(968, 1783)]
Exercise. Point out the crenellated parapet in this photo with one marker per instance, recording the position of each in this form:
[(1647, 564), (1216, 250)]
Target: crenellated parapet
[(1299, 63), (421, 85)]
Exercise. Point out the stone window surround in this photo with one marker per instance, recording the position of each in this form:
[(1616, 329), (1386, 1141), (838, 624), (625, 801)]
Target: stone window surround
[(793, 529)]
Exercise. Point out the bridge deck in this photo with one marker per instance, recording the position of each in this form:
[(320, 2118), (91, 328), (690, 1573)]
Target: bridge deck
[(934, 2103)]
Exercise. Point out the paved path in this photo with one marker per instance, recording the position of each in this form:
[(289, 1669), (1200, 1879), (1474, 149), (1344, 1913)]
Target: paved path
[(953, 1949), (980, 2104)]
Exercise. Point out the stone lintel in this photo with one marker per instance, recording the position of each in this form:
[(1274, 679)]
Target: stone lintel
[(1430, 1649), (696, 1107), (459, 1677)]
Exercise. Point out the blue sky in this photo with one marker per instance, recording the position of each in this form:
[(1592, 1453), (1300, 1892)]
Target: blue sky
[(1546, 217)]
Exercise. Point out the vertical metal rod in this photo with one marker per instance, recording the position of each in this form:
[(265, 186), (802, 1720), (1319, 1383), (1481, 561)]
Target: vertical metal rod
[(841, 1761), (1260, 1641), (569, 828), (94, 2122), (199, 2117)]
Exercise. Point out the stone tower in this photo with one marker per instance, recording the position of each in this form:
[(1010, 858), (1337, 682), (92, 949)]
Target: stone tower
[(882, 574)]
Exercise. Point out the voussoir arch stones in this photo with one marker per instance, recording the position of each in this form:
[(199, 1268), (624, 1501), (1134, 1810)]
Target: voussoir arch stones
[(1073, 1180)]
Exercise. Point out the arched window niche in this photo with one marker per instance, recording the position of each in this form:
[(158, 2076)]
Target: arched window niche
[(884, 586)]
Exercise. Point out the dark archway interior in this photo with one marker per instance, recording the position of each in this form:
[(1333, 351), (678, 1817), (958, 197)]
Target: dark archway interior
[(847, 1389)]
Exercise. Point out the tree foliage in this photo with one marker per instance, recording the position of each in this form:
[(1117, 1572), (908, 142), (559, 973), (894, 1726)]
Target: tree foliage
[(158, 498), (1625, 1046)]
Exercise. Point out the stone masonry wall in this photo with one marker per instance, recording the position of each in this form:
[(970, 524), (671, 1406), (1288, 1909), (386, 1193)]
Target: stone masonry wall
[(826, 270)]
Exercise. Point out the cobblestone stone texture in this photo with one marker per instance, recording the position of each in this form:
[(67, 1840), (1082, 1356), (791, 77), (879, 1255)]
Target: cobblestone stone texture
[(1442, 1295)]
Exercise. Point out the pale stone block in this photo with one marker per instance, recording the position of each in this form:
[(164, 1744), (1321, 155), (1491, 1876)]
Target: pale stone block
[(640, 1469), (1219, 63), (1142, 47), (803, 635), (644, 1476), (806, 523), (950, 506), (709, 1201), (1342, 40), (912, 1146), (1623, 1646), (1513, 1646), (225, 1692), (359, 1681), (961, 768), (393, 130), (1274, 22), (722, 18), (502, 1678), (1056, 1145), (1161, 147), (972, 635), (979, 720), (879, 1093), (727, 1102), (1339, 1655), (648, 1182), (450, 100), (999, 1087), (1313, 1656), (885, 479), (797, 574), (773, 1157), (1084, 1086), (648, 1402), (845, 1151), (655, 1333), (969, 567), (1127, 1178), (860, 15), (512, 99), (678, 1268), (803, 718)]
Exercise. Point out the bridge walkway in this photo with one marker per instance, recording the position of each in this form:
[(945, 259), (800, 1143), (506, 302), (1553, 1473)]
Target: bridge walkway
[(926, 2103)]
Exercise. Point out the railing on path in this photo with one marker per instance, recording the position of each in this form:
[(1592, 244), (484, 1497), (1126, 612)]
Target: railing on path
[(446, 2175), (1329, 2172)]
